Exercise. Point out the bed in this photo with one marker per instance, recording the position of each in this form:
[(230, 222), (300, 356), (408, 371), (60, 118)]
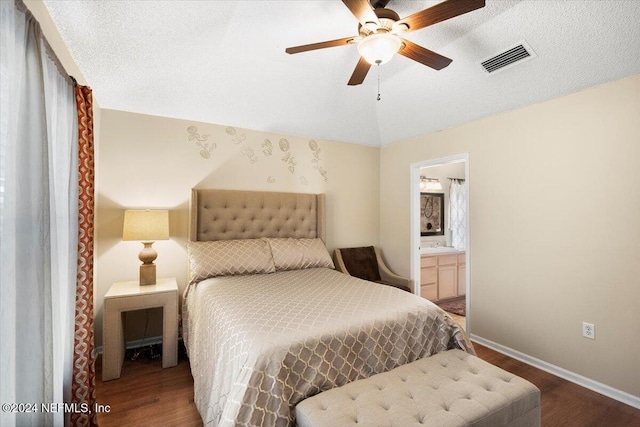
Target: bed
[(267, 321)]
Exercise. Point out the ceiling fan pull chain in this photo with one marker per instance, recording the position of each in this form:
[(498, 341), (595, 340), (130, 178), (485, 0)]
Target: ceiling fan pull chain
[(378, 82)]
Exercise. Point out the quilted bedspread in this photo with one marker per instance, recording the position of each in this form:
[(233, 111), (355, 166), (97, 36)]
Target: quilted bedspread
[(259, 344)]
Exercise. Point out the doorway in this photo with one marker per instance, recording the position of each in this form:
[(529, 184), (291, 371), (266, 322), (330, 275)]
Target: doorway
[(438, 170)]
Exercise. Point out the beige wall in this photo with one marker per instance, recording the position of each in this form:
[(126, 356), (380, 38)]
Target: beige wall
[(555, 235), (150, 162)]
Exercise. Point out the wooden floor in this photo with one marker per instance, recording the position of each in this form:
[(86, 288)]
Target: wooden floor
[(564, 403), (147, 395)]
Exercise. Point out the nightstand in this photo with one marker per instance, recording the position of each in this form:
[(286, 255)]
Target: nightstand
[(128, 296)]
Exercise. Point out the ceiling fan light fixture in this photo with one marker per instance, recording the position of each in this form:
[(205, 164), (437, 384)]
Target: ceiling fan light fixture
[(371, 26), (379, 48)]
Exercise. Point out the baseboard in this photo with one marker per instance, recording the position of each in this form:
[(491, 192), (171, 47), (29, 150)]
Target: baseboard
[(585, 382), (137, 343)]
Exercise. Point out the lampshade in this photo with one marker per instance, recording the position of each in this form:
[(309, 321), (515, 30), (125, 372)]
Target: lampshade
[(379, 48), (146, 225)]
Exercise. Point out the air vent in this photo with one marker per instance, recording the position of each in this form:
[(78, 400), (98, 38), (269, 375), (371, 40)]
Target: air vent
[(514, 55)]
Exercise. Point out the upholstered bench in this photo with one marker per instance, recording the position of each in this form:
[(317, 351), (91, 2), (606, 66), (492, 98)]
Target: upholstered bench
[(452, 388)]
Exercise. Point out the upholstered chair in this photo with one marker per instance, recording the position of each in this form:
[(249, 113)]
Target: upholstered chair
[(366, 263)]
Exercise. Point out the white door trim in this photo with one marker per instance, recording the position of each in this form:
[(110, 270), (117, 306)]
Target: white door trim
[(414, 198)]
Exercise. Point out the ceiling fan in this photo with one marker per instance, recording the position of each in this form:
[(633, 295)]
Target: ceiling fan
[(379, 31)]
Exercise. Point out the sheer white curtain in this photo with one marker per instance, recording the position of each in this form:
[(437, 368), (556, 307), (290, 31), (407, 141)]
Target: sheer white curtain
[(458, 213), (38, 221)]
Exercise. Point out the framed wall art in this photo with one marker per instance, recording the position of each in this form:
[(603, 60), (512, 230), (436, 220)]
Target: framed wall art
[(431, 214)]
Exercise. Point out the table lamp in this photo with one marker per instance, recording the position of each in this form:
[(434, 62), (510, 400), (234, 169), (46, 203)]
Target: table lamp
[(146, 226)]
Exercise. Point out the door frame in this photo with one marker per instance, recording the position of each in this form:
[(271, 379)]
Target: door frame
[(414, 198)]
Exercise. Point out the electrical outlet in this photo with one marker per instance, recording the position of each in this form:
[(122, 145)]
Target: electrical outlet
[(589, 330)]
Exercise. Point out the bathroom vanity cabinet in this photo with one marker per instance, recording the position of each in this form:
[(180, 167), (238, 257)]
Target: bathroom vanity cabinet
[(443, 276)]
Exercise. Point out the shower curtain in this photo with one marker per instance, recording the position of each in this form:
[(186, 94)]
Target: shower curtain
[(458, 214)]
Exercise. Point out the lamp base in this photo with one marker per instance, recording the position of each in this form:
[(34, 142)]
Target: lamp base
[(148, 268), (147, 274)]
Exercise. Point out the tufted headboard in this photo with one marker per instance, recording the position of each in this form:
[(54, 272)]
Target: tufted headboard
[(234, 214)]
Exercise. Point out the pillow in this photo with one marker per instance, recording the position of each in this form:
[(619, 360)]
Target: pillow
[(229, 258), (296, 254)]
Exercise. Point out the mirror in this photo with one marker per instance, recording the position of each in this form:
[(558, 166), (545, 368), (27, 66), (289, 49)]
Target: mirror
[(431, 214)]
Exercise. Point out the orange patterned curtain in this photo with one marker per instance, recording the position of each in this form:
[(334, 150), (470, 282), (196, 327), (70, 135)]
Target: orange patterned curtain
[(84, 378)]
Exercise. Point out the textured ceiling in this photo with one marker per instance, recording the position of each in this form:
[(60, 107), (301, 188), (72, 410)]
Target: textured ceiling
[(224, 62)]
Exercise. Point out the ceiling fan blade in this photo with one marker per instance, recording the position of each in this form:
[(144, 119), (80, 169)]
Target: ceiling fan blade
[(423, 55), (362, 10), (321, 45), (440, 12), (360, 72)]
